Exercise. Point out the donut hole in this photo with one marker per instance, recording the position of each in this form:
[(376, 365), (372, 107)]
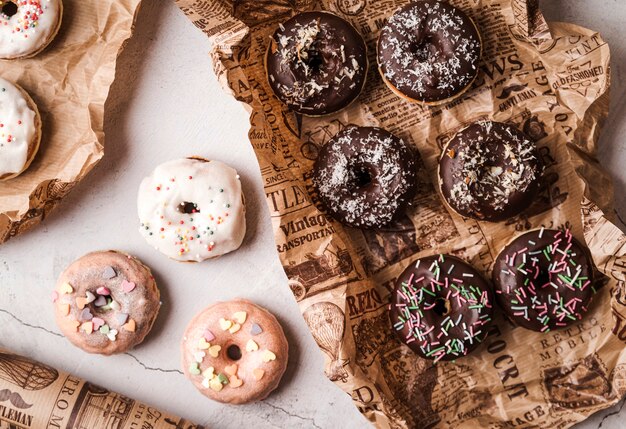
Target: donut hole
[(442, 307), (187, 207), (9, 8), (425, 48), (361, 177), (233, 352)]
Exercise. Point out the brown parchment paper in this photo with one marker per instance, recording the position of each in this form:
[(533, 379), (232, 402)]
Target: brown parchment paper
[(550, 80), (34, 395), (70, 82)]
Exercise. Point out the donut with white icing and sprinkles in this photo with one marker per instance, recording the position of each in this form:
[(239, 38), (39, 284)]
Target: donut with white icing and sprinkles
[(20, 130), (441, 307), (234, 352), (28, 26), (490, 171), (316, 63), (106, 302), (365, 176), (428, 52), (192, 209), (544, 280)]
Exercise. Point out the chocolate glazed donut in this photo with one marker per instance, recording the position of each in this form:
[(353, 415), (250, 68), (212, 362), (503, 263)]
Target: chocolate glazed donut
[(365, 176), (544, 280), (490, 171), (441, 307), (316, 63), (429, 51)]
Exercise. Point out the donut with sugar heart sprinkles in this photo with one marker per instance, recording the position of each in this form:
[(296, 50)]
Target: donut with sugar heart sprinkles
[(544, 279), (192, 209), (441, 307), (106, 302), (234, 352), (28, 26)]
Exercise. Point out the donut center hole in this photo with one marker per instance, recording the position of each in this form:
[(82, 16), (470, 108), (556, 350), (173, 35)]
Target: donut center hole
[(362, 177), (425, 49), (233, 352), (188, 207), (9, 9), (442, 307), (543, 279)]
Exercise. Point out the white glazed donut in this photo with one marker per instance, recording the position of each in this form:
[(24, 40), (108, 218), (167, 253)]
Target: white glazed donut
[(27, 26), (192, 209), (20, 130)]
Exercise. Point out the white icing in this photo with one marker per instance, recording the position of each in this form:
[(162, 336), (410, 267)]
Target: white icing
[(30, 28), (214, 187), (17, 129)]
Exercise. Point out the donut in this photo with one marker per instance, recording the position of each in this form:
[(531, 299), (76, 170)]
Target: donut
[(365, 176), (192, 209), (428, 52), (28, 26), (490, 171), (20, 130), (234, 352), (544, 280), (441, 307), (106, 302), (316, 63)]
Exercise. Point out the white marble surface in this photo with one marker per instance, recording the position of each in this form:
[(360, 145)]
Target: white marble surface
[(166, 103)]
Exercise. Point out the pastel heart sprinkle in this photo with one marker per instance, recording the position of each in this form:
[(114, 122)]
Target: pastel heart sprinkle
[(234, 381), (251, 346), (105, 329), (234, 328), (222, 378), (87, 327), (66, 288), (255, 329), (112, 334), (209, 373), (86, 314), (128, 286), (258, 373), (231, 369), (194, 368), (225, 324), (208, 335), (214, 351), (81, 302), (65, 309), (240, 317), (121, 318), (216, 385), (55, 296), (115, 305), (72, 325), (199, 356), (108, 273), (103, 291), (205, 383), (203, 344), (90, 297), (97, 323), (100, 301), (268, 356), (130, 325)]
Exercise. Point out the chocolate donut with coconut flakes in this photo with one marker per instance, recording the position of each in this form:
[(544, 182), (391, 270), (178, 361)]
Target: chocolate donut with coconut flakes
[(490, 171), (365, 176), (316, 63)]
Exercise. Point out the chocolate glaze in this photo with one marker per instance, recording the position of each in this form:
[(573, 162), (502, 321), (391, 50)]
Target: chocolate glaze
[(365, 176), (544, 280), (490, 171), (316, 63), (429, 51), (441, 307)]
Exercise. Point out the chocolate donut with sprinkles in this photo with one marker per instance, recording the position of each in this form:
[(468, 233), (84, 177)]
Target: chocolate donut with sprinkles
[(544, 280), (192, 209), (316, 63), (441, 307), (429, 51), (365, 176), (490, 171)]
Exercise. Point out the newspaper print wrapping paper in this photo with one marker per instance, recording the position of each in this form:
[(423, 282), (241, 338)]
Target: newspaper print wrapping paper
[(35, 395), (70, 82), (551, 81)]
